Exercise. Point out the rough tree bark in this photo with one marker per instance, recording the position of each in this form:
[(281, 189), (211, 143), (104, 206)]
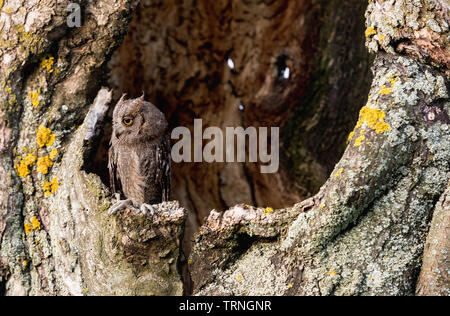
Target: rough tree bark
[(367, 230)]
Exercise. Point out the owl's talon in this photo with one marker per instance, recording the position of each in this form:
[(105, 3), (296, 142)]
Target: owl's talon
[(147, 208), (121, 205)]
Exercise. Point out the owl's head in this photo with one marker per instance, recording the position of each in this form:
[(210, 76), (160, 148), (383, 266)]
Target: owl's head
[(136, 120)]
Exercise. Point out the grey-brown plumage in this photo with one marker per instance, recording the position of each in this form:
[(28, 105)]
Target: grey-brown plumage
[(139, 156)]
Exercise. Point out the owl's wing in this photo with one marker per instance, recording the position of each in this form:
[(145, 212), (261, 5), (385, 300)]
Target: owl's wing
[(112, 166)]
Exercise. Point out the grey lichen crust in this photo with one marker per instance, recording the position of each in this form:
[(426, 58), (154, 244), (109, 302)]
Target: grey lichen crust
[(418, 28), (365, 231), (435, 275)]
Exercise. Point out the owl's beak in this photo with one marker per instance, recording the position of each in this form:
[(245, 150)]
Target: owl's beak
[(117, 134)]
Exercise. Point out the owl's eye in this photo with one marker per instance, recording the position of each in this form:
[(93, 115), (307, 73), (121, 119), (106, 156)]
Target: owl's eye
[(127, 121)]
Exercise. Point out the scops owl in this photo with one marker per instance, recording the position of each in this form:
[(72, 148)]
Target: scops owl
[(139, 155)]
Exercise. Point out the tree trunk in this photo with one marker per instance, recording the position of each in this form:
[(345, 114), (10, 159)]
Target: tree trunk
[(363, 231)]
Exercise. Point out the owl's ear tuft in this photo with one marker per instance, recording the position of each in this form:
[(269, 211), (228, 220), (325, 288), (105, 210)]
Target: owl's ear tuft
[(142, 98), (122, 98)]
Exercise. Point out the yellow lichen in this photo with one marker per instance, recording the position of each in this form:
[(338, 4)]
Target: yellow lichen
[(339, 173), (332, 273), (47, 63), (34, 96), (382, 127), (22, 169), (28, 228), (50, 187), (53, 154), (385, 90), (240, 277), (43, 164), (12, 99), (392, 81), (44, 137), (24, 164), (30, 159), (350, 136), (370, 31), (374, 119), (268, 210), (35, 223), (359, 141), (370, 117)]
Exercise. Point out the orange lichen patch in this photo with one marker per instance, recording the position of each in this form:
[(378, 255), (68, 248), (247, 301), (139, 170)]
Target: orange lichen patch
[(370, 31), (54, 154), (47, 63), (268, 210), (30, 159), (393, 81), (43, 164), (34, 96), (382, 127), (385, 90), (370, 117), (12, 99), (338, 173), (28, 228), (50, 187), (35, 223), (332, 273), (240, 277), (359, 141), (374, 119), (44, 137), (22, 169), (350, 136)]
